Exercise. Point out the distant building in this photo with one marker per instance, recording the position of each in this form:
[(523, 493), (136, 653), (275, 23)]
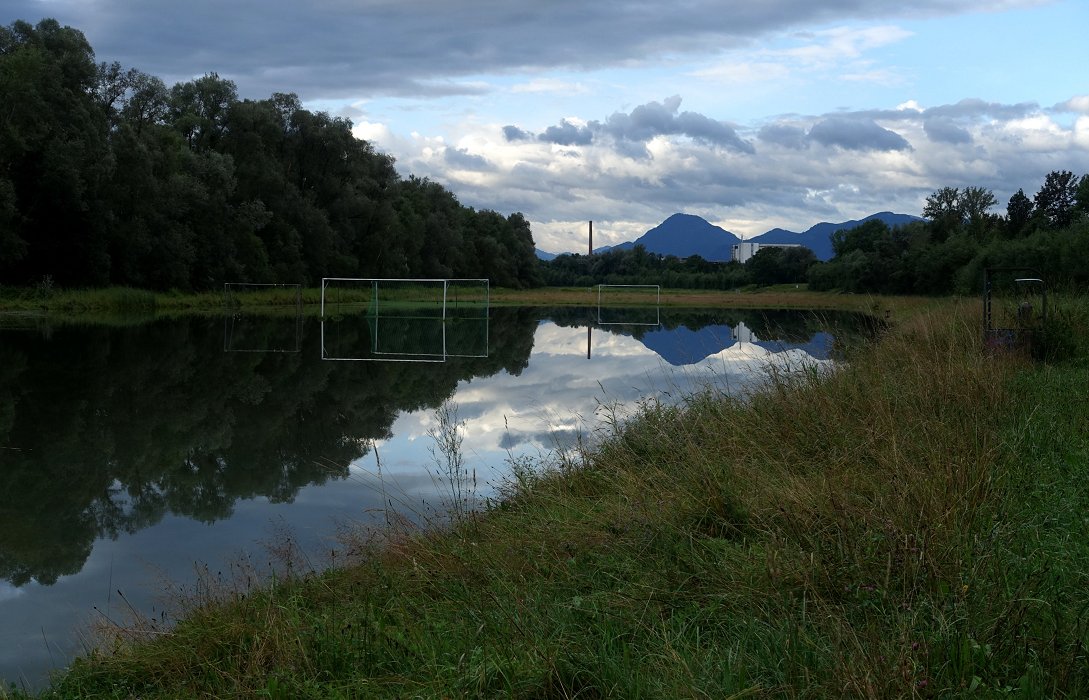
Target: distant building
[(744, 250)]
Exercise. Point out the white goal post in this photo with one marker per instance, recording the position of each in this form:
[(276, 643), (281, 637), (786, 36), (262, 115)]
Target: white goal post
[(401, 319)]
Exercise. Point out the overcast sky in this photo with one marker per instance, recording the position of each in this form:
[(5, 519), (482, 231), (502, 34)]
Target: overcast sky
[(751, 114)]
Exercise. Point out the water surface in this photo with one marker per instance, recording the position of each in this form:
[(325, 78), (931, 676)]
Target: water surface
[(131, 454)]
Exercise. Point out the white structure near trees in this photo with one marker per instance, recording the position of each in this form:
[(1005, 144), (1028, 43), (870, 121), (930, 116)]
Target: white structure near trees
[(744, 250)]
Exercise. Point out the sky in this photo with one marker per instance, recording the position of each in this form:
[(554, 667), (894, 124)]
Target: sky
[(753, 115)]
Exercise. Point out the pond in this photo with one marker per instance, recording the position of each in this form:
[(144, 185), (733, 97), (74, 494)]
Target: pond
[(131, 454)]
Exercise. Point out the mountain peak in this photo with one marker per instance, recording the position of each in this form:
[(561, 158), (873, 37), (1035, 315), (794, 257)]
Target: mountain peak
[(684, 235)]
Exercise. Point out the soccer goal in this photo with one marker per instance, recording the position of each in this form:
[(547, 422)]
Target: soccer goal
[(277, 329), (404, 320), (629, 304)]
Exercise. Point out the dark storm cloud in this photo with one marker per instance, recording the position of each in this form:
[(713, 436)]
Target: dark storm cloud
[(512, 133), (857, 135), (340, 48), (944, 130), (567, 134)]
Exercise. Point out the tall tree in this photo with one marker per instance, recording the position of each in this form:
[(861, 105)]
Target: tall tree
[(199, 108), (943, 208), (974, 205), (1081, 196), (1056, 198), (1018, 213), (53, 155)]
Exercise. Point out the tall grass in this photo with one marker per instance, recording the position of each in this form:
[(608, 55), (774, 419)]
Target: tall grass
[(910, 525)]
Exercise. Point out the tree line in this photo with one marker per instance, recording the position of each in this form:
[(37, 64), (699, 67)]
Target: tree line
[(110, 177), (960, 237)]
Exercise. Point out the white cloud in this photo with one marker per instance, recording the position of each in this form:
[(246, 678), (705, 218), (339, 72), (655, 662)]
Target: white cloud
[(1078, 104), (550, 85)]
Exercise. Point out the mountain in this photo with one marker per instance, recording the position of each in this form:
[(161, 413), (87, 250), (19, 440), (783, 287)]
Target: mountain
[(818, 238), (543, 254), (684, 235), (684, 346)]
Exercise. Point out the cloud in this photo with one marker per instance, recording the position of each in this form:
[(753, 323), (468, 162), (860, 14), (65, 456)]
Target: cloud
[(784, 135), (945, 130), (801, 170), (631, 131), (567, 134), (1079, 104), (550, 85), (339, 48), (857, 135), (513, 133), (461, 159)]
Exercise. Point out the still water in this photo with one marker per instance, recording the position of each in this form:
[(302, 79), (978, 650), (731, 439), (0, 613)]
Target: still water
[(132, 454)]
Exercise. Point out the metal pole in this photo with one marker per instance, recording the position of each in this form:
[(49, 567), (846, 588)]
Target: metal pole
[(591, 237)]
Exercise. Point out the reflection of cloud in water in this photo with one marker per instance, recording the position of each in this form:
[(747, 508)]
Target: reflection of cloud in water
[(561, 393), (8, 591)]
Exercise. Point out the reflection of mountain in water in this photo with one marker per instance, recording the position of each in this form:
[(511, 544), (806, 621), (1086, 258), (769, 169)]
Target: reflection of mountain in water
[(107, 429), (685, 346), (688, 336)]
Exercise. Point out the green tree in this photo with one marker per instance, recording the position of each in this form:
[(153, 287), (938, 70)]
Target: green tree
[(975, 204), (53, 155), (943, 209), (198, 109), (1055, 201), (1081, 196), (1018, 214)]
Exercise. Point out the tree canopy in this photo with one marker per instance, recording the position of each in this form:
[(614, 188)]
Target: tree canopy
[(108, 176)]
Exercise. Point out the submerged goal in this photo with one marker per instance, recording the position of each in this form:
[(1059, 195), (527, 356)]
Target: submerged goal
[(404, 319), (629, 304), (245, 331)]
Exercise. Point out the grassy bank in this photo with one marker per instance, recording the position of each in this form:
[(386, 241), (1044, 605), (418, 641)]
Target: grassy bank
[(911, 525)]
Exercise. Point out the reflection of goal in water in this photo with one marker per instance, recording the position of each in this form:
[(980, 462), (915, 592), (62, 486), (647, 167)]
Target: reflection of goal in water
[(404, 320), (629, 304), (248, 333)]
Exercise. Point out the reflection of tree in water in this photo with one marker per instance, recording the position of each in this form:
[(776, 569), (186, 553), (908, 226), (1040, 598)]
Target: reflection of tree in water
[(116, 427)]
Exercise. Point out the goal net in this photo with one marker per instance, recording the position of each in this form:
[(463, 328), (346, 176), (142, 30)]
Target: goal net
[(404, 320), (278, 327)]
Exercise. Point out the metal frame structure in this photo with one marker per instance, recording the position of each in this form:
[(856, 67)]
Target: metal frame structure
[(374, 317), (230, 316), (1025, 320)]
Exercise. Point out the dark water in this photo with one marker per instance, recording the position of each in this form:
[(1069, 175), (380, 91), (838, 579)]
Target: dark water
[(131, 453)]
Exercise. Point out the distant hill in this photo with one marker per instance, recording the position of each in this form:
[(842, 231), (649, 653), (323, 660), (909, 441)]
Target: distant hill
[(818, 238), (684, 235), (544, 255)]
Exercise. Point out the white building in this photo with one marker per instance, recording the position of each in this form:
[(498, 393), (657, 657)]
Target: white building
[(745, 250)]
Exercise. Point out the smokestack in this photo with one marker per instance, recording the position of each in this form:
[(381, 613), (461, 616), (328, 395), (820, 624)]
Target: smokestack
[(591, 237)]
